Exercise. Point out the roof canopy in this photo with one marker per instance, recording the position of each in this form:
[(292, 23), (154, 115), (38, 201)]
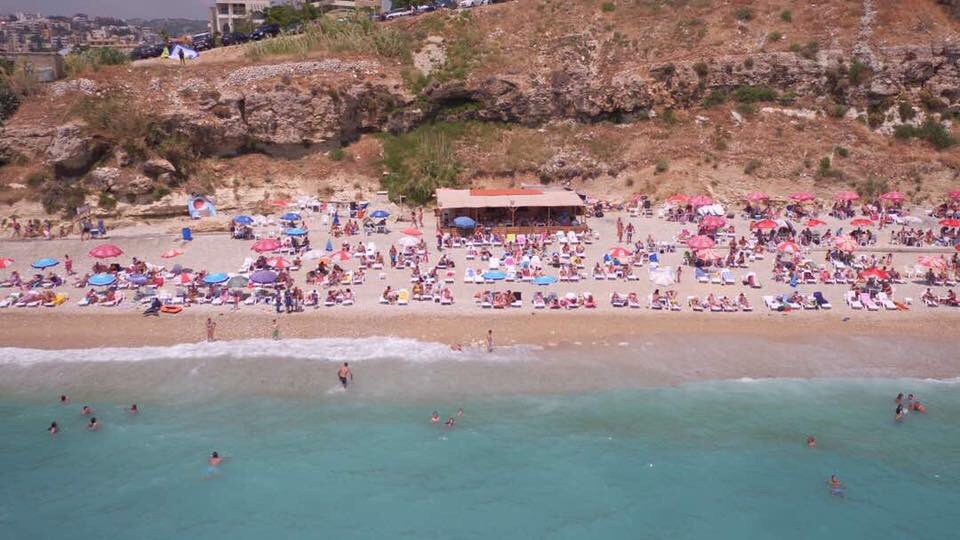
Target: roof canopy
[(506, 198)]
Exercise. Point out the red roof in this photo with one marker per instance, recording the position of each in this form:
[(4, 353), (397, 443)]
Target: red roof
[(503, 192)]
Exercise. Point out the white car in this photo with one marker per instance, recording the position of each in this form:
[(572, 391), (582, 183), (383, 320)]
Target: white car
[(398, 14)]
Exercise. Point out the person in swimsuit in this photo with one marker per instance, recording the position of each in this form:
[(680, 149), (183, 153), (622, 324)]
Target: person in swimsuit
[(489, 341), (451, 423), (811, 442), (214, 459), (899, 413), (211, 327), (53, 429), (435, 418), (86, 410), (276, 330), (836, 488), (899, 398), (134, 409), (460, 412), (917, 406), (343, 373), (64, 399), (93, 425)]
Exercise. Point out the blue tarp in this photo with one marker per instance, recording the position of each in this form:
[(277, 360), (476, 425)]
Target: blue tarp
[(189, 54)]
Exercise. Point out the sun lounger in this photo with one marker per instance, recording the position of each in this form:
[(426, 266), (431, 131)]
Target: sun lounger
[(727, 277), (617, 300), (633, 301), (822, 302), (588, 301), (772, 303), (745, 305), (886, 302), (517, 300), (868, 302), (539, 302), (654, 305), (403, 297), (851, 299), (715, 278), (701, 276), (751, 280), (694, 302), (117, 299)]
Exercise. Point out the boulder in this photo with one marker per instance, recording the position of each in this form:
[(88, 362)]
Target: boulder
[(103, 178), (136, 184), (157, 166), (71, 152)]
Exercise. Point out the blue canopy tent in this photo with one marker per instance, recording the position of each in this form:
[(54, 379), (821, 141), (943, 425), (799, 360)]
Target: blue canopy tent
[(329, 246), (243, 220), (463, 222), (380, 214), (188, 53), (200, 206)]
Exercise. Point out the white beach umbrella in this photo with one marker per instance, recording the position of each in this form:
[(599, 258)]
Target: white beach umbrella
[(408, 241)]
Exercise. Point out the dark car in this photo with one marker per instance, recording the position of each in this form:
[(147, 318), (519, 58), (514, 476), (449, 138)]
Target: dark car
[(234, 38), (265, 31), (143, 52), (202, 42), (293, 28)]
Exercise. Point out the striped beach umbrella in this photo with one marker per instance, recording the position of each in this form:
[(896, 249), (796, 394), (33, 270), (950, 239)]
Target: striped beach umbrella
[(106, 251)]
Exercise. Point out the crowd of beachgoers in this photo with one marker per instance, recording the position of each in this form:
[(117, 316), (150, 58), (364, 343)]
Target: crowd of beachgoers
[(685, 253)]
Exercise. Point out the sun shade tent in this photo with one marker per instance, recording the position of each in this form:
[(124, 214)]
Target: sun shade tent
[(188, 53), (511, 210)]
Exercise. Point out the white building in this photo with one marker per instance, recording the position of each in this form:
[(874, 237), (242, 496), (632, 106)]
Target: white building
[(224, 16)]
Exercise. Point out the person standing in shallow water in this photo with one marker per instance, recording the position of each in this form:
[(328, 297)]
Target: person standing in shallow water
[(343, 373), (276, 330), (489, 341), (211, 327)]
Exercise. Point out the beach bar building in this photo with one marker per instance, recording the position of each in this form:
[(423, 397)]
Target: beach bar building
[(512, 211)]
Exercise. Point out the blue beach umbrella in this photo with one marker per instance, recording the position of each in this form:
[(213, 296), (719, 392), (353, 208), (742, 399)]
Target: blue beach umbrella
[(243, 220), (290, 216), (102, 280), (545, 280), (212, 279), (263, 277), (296, 232), (463, 222), (329, 246), (494, 275), (40, 264), (137, 279), (380, 214)]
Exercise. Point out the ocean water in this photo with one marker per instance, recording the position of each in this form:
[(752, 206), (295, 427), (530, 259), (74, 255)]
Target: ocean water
[(724, 459)]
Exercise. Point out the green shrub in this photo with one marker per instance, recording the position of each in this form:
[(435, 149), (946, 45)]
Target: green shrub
[(106, 201), (668, 117), (906, 111), (61, 196), (931, 131), (422, 160), (661, 166), (786, 16), (37, 179), (808, 51), (859, 73), (842, 151), (356, 34), (337, 154), (774, 36), (9, 99), (743, 14), (93, 59), (608, 7), (836, 110), (701, 69), (746, 109), (715, 97), (754, 94)]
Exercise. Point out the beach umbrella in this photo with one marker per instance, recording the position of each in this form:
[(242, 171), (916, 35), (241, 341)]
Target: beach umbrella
[(243, 220), (380, 214), (101, 280), (955, 194), (709, 255), (278, 262), (893, 196), (846, 196), (701, 242), (934, 263), (949, 222), (861, 222), (756, 196), (764, 224), (171, 253), (137, 279), (801, 196), (279, 203), (956, 247), (544, 280), (410, 231), (846, 243), (290, 216), (463, 222), (237, 282), (495, 275), (815, 223), (106, 251), (788, 246), (263, 277), (340, 256), (875, 273), (678, 199), (184, 278), (213, 279), (265, 245), (619, 253), (700, 200), (296, 231), (5, 262), (407, 241), (713, 222), (40, 264)]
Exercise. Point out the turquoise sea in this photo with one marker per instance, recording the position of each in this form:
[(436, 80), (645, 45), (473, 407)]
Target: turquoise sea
[(716, 460)]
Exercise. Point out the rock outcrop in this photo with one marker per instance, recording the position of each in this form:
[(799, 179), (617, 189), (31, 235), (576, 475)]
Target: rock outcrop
[(72, 152)]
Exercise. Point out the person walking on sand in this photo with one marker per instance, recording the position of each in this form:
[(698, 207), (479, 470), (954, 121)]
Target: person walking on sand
[(211, 327), (619, 231), (68, 265), (276, 330), (489, 341), (679, 271), (183, 57), (343, 373)]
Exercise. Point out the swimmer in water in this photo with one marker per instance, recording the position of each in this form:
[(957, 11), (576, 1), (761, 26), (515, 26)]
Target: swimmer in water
[(451, 423), (53, 429), (460, 412), (214, 459), (343, 373), (811, 442), (86, 410), (64, 399), (93, 425), (899, 398), (836, 488), (134, 409), (435, 418), (917, 406), (899, 413), (910, 398)]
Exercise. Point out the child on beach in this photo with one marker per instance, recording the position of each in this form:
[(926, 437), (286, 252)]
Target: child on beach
[(276, 330)]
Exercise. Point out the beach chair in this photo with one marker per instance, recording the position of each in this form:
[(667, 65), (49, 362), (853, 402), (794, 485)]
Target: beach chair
[(886, 302), (751, 280), (656, 305), (745, 305), (517, 299), (539, 302), (822, 302), (117, 299), (772, 303), (469, 275), (695, 303), (715, 278), (727, 277), (868, 302), (851, 300), (618, 300), (702, 277), (633, 301), (403, 297)]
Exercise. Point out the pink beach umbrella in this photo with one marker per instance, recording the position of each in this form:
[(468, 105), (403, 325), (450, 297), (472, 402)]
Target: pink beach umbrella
[(279, 203), (875, 273), (893, 196), (265, 245), (846, 196), (709, 255), (955, 194), (788, 247), (171, 254), (713, 222), (700, 200), (340, 256), (184, 278), (701, 242), (815, 223), (106, 251), (5, 262), (950, 222), (846, 243), (862, 222), (802, 196), (756, 196), (764, 224), (934, 263), (678, 199), (619, 253), (410, 231)]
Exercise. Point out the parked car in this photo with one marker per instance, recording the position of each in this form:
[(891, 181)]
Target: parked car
[(234, 38), (144, 51), (202, 42), (397, 13), (265, 31)]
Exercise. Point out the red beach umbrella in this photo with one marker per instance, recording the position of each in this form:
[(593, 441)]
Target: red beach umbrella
[(265, 245), (788, 247), (184, 278), (756, 196), (279, 203), (678, 199), (875, 273), (764, 224), (5, 262), (955, 194), (709, 255), (802, 196), (846, 243), (893, 196), (700, 200), (340, 256), (701, 242), (713, 222), (278, 262), (106, 251), (950, 222), (619, 253), (862, 222), (410, 231), (171, 254), (846, 196), (935, 263), (815, 223)]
